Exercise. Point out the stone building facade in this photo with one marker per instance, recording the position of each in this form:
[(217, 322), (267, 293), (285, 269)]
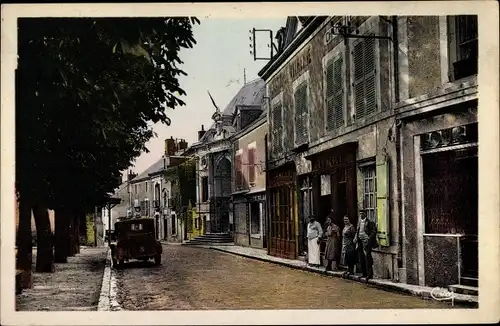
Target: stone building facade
[(214, 161), (249, 197), (438, 135), (347, 121)]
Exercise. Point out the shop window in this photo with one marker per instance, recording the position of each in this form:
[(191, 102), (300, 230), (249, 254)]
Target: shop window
[(277, 132), (370, 192), (301, 114), (255, 218), (364, 77), (450, 191), (334, 93), (204, 189)]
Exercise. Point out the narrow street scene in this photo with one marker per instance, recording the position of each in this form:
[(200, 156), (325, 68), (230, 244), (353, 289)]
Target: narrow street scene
[(199, 278), (206, 163)]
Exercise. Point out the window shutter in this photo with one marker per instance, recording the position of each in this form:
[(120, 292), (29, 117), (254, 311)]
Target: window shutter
[(339, 92), (251, 165), (330, 103), (277, 137), (370, 75), (301, 115), (382, 173), (358, 84)]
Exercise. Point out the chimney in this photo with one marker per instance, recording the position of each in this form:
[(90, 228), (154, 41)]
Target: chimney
[(131, 175), (170, 146), (183, 145), (201, 132)]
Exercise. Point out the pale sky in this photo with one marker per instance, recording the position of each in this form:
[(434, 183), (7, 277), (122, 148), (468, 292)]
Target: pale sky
[(215, 63)]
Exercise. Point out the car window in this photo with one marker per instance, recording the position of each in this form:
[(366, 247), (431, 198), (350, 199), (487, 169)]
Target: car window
[(136, 227)]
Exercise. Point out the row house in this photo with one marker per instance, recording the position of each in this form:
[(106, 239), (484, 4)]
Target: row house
[(148, 191), (356, 120), (214, 162), (179, 193), (249, 197)]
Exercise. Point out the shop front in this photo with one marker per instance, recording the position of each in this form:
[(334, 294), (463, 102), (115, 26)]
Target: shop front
[(332, 185), (441, 169), (283, 219)]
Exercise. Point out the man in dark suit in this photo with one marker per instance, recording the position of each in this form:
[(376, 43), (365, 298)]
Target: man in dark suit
[(366, 240)]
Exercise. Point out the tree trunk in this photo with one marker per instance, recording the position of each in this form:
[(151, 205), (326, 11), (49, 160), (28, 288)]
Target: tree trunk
[(83, 228), (61, 242), (71, 233), (45, 250), (76, 238), (24, 249)]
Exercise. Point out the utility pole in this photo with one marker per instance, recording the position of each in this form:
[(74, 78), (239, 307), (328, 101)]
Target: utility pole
[(244, 77)]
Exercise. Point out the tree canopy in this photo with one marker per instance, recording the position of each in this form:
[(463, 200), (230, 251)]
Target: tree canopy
[(87, 90)]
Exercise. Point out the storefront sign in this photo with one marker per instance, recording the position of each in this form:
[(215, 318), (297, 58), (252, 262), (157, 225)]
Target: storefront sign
[(290, 72)]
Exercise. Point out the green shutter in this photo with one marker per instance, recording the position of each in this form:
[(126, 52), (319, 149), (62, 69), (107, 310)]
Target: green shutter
[(382, 173)]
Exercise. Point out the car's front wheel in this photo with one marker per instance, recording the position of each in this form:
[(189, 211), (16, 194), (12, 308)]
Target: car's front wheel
[(157, 259)]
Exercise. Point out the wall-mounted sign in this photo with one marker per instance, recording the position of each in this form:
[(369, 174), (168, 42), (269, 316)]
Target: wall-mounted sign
[(292, 70)]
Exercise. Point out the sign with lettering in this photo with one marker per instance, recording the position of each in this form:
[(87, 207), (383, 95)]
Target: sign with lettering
[(292, 70)]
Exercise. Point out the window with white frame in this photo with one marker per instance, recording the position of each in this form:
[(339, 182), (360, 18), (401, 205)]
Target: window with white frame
[(370, 191), (301, 114), (463, 38), (277, 132), (335, 115), (364, 76)]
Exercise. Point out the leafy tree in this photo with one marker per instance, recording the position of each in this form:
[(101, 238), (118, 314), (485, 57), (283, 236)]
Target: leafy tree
[(87, 90)]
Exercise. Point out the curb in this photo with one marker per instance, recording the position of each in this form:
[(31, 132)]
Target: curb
[(107, 298), (380, 284), (104, 300)]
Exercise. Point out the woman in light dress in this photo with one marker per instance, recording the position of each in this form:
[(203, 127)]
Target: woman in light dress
[(314, 233)]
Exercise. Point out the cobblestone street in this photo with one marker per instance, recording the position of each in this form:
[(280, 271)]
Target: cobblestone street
[(197, 278)]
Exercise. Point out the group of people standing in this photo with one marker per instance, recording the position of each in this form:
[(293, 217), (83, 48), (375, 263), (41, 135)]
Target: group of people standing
[(356, 243)]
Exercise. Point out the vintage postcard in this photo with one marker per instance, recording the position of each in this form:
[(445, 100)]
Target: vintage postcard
[(250, 163)]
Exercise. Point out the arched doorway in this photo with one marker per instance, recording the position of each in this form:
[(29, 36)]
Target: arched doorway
[(222, 191)]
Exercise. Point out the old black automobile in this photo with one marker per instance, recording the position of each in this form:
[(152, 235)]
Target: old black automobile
[(135, 239)]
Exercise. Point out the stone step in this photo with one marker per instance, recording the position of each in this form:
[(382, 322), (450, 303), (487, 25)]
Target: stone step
[(464, 289)]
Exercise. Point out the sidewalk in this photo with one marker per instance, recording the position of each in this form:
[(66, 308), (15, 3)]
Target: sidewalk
[(420, 291), (75, 285)]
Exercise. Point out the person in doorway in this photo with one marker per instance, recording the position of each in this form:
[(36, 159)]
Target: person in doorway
[(332, 243), (366, 240), (348, 257), (314, 234)]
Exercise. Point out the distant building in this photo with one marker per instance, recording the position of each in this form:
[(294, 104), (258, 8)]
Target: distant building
[(249, 190), (213, 153), (146, 194)]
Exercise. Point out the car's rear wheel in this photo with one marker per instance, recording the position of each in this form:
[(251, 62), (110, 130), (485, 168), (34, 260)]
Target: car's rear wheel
[(157, 259)]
